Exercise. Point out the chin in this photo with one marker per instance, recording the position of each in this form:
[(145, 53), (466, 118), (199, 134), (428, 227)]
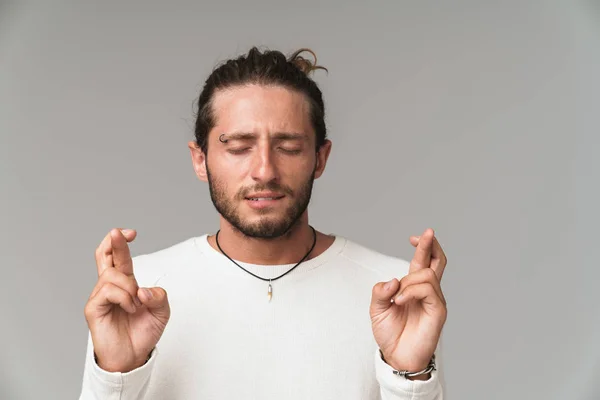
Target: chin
[(265, 227), (263, 222)]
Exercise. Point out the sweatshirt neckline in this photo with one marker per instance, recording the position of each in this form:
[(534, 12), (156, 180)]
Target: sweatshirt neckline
[(272, 271)]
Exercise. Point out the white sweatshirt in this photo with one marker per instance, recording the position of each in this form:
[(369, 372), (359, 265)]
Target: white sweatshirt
[(225, 340)]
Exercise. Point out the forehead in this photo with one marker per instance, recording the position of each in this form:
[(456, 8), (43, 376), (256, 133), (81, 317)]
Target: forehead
[(259, 108)]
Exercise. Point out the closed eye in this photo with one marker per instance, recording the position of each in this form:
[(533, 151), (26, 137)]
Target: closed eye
[(290, 151), (238, 151)]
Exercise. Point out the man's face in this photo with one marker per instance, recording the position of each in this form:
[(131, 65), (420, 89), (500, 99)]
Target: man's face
[(261, 179)]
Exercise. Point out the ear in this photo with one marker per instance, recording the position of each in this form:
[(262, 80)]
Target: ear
[(198, 161), (322, 156)]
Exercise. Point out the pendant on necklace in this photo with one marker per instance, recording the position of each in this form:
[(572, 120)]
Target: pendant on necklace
[(270, 292)]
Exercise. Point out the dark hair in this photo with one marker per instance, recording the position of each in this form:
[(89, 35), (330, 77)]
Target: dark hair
[(266, 68)]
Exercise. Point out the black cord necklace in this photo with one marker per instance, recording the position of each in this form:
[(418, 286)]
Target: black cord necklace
[(270, 290)]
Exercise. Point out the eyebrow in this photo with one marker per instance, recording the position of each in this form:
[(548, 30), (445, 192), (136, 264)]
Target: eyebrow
[(276, 135)]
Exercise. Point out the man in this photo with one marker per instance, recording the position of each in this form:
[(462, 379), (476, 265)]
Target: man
[(266, 308)]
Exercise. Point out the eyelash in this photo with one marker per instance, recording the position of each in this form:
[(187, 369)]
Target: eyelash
[(293, 152), (238, 151), (244, 150)]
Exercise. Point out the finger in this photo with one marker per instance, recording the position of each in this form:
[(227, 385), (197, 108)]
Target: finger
[(157, 301), (422, 255), (414, 240), (420, 292), (108, 296), (381, 297), (121, 256), (119, 279), (438, 257), (104, 250), (426, 275)]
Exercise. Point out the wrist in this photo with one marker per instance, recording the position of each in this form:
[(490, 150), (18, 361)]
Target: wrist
[(413, 373), (122, 369), (422, 377)]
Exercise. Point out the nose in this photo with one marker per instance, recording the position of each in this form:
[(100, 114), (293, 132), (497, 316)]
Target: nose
[(264, 168)]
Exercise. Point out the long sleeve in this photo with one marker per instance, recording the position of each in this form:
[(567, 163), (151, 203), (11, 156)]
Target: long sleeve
[(102, 385), (394, 387)]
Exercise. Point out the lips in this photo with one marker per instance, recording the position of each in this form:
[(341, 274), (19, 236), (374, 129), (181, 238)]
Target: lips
[(264, 196), (264, 201)]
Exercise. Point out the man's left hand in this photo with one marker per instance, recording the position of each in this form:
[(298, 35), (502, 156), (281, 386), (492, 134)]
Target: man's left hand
[(407, 316)]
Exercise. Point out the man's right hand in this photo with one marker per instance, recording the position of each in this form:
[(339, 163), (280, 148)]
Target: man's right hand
[(125, 321)]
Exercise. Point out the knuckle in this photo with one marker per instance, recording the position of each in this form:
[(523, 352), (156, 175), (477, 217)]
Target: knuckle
[(429, 274), (87, 310), (108, 275), (443, 302), (98, 253), (107, 288), (132, 286), (405, 280), (430, 288), (116, 278), (162, 297), (162, 293), (377, 287)]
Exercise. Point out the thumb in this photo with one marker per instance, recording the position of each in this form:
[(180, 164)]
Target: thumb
[(156, 300), (382, 296)]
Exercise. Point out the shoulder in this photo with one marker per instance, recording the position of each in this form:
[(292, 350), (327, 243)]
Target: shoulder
[(383, 266), (149, 267)]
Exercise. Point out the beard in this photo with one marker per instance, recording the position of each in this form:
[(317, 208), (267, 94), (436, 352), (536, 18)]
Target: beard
[(268, 226)]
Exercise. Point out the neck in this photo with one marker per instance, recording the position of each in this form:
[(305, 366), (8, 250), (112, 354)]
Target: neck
[(287, 249)]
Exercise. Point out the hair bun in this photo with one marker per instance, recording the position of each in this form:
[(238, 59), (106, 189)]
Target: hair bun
[(303, 64)]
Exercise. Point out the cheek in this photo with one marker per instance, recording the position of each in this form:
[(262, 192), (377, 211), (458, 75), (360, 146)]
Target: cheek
[(229, 183), (298, 174), (230, 169), (235, 168)]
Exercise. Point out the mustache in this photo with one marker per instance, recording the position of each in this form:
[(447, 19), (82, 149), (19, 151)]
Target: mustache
[(271, 187)]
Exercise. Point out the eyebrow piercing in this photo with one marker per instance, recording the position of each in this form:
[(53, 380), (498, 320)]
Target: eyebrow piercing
[(221, 138)]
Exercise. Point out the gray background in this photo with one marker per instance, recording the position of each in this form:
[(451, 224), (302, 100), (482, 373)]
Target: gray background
[(476, 118)]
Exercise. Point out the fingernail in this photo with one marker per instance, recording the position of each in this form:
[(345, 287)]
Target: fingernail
[(126, 231), (148, 293), (398, 299), (137, 301)]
